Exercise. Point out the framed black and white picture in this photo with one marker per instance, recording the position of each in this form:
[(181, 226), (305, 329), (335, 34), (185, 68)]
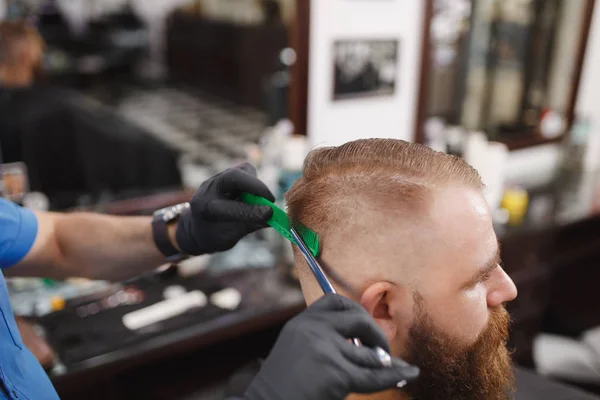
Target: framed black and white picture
[(364, 68)]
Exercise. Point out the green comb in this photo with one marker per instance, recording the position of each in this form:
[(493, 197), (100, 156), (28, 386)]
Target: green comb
[(281, 223)]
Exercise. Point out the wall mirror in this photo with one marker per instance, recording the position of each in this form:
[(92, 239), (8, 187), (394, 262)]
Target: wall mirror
[(510, 68)]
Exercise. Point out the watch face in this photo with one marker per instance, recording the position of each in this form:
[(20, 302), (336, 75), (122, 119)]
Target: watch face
[(168, 214)]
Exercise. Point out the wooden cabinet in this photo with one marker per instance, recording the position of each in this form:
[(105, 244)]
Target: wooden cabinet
[(230, 61), (557, 275)]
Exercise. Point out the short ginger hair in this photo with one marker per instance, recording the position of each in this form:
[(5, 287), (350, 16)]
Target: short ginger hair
[(340, 184)]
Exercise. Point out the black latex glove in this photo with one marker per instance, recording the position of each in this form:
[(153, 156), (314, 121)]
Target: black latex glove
[(313, 359), (217, 219)]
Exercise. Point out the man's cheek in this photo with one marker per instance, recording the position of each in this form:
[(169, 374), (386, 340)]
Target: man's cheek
[(465, 327), (475, 313)]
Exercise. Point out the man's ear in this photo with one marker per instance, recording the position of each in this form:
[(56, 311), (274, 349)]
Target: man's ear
[(376, 299)]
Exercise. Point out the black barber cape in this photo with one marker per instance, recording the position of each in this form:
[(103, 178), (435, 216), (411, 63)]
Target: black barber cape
[(530, 386), (20, 106), (240, 381), (71, 145)]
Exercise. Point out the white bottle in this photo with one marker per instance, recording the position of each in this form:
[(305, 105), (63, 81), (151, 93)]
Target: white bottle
[(272, 145), (475, 149), (435, 130)]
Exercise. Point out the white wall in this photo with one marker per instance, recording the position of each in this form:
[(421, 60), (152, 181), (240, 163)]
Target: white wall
[(588, 99), (333, 123)]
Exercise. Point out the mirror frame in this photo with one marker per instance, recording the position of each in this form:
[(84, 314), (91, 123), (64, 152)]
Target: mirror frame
[(298, 94)]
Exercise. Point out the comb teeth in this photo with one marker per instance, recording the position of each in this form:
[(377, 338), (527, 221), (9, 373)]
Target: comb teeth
[(311, 239), (281, 223)]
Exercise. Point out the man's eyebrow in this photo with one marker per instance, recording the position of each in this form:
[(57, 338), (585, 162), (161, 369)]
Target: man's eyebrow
[(492, 264)]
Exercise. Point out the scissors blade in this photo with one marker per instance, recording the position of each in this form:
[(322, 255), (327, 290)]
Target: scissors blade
[(312, 262), (316, 269)]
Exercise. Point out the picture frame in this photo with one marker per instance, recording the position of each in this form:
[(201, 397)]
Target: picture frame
[(365, 68)]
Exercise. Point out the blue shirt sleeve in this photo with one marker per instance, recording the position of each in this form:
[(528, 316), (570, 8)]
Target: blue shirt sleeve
[(18, 230)]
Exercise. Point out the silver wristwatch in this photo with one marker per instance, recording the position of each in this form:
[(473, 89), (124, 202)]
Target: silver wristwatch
[(160, 222)]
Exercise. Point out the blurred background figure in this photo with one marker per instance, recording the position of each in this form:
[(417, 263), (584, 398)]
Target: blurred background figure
[(22, 54)]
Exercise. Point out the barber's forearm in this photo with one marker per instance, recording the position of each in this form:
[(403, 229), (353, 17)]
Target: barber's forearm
[(106, 247), (92, 246), (115, 248)]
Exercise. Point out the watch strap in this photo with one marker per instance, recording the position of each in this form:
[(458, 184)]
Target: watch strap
[(160, 234)]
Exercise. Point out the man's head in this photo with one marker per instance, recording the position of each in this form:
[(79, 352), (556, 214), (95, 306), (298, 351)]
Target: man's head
[(21, 52), (409, 229)]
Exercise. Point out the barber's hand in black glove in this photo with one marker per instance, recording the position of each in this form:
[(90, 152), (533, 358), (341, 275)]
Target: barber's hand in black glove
[(217, 219), (313, 359)]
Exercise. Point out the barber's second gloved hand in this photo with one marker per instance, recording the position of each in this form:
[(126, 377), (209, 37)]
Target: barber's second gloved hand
[(217, 219), (313, 359)]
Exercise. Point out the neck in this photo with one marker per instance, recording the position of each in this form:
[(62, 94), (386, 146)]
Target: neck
[(16, 77), (389, 395)]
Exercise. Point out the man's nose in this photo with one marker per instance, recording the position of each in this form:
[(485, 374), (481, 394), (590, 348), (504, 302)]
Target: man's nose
[(501, 290)]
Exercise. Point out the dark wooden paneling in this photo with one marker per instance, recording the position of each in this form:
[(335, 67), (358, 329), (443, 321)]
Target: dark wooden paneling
[(298, 101), (227, 60), (419, 133)]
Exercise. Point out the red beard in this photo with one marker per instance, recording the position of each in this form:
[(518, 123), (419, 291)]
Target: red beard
[(482, 371)]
